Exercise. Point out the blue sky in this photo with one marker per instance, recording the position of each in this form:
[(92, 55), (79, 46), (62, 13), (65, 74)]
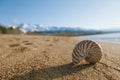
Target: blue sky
[(95, 14)]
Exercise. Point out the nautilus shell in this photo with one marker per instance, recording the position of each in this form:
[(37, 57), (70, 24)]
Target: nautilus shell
[(87, 50)]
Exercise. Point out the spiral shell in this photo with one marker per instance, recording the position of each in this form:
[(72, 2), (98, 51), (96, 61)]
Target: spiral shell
[(87, 50)]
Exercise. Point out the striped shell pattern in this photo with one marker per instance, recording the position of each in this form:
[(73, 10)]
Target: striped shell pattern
[(87, 50)]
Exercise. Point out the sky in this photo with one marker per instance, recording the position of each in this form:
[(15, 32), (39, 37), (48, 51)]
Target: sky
[(89, 14)]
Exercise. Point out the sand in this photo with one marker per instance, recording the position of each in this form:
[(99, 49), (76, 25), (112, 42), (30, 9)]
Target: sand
[(34, 57)]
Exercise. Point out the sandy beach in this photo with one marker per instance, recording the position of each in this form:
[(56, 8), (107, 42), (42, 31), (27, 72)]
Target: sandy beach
[(34, 57)]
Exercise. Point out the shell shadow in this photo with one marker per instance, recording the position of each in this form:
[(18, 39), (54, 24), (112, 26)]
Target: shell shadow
[(51, 72)]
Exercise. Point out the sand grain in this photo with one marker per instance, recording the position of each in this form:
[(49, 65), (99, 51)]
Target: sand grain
[(24, 57)]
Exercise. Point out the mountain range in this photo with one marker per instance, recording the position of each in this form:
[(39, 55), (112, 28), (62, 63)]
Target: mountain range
[(58, 30), (50, 29)]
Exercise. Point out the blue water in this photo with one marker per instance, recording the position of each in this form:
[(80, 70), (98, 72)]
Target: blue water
[(111, 37)]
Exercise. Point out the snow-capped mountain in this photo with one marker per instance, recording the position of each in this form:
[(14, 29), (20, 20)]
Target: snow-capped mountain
[(43, 28), (35, 28)]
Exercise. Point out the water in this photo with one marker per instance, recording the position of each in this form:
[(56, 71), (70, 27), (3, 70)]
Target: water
[(111, 37)]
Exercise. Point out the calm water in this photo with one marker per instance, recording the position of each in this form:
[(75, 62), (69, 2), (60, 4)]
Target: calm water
[(111, 37)]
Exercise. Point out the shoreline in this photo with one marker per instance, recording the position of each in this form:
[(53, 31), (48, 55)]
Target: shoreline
[(100, 40), (109, 38)]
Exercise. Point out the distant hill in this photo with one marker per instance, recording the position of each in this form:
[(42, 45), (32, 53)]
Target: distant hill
[(3, 29), (9, 30)]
